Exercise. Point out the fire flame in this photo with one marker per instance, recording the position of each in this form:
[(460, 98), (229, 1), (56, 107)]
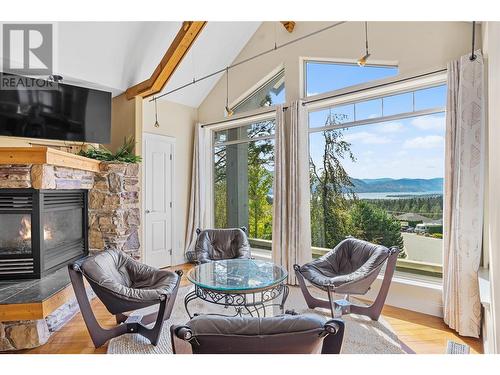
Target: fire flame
[(25, 231)]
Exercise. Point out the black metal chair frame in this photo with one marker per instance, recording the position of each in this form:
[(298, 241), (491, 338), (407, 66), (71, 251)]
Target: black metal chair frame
[(125, 323), (344, 306)]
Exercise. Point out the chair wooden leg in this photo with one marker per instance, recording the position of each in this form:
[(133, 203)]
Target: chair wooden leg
[(331, 302), (98, 334), (120, 318), (164, 312), (375, 309)]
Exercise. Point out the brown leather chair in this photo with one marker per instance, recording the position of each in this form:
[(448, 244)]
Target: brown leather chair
[(219, 244), (285, 334), (124, 285), (350, 268)]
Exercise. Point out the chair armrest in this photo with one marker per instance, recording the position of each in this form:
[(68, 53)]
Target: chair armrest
[(334, 335), (180, 336)]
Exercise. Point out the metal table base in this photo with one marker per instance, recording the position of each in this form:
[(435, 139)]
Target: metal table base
[(252, 302)]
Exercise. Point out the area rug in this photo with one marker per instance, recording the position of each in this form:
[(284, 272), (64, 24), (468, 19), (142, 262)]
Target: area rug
[(362, 335)]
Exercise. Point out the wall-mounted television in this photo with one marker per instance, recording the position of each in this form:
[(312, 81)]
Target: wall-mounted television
[(63, 112)]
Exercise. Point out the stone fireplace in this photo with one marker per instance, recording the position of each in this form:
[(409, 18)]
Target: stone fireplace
[(41, 231), (55, 207)]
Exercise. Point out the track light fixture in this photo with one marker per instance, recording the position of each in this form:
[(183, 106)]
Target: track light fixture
[(229, 111), (156, 124), (362, 60), (472, 54)]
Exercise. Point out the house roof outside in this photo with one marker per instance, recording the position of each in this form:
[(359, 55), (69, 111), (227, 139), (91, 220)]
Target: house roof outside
[(410, 216)]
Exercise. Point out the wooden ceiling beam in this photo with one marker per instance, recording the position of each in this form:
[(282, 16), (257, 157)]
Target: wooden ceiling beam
[(179, 47), (288, 25)]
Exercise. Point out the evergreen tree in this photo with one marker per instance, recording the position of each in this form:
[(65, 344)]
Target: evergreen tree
[(374, 224), (331, 188)]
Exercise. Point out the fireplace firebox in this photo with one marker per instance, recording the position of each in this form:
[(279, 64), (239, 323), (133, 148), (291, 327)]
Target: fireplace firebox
[(41, 231)]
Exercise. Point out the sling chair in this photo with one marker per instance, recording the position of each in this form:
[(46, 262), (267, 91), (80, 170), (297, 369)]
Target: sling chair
[(350, 268), (124, 285), (285, 334), (218, 244)]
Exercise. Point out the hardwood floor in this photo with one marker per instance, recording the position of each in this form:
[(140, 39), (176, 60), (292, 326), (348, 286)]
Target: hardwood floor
[(423, 334)]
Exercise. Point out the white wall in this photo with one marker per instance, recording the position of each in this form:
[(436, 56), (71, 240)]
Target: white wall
[(178, 121), (415, 46)]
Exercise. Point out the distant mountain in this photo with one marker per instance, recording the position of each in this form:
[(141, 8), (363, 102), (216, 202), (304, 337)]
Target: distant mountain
[(403, 185)]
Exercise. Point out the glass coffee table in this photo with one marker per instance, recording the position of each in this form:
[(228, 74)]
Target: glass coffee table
[(247, 285)]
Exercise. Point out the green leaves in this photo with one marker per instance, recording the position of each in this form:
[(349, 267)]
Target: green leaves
[(124, 154), (374, 224)]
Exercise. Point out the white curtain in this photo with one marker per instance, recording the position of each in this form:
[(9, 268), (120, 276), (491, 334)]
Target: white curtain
[(199, 206), (291, 216), (463, 195)]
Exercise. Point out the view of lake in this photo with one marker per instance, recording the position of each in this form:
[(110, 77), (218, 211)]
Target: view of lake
[(397, 195)]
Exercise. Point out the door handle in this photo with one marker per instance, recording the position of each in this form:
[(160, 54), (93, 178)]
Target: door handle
[(148, 211)]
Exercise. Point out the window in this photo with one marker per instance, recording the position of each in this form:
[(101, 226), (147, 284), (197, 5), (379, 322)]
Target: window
[(243, 180), (322, 76), (270, 93), (377, 173)]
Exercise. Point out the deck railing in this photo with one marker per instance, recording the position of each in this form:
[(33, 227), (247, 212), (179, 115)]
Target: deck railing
[(404, 265)]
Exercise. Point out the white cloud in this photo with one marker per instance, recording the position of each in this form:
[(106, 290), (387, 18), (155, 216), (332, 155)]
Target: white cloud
[(366, 138), (429, 123), (392, 127), (426, 142)]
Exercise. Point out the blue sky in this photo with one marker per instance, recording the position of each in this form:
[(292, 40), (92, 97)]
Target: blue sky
[(323, 77), (407, 148)]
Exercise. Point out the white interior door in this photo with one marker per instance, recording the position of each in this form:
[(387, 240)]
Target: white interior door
[(158, 152)]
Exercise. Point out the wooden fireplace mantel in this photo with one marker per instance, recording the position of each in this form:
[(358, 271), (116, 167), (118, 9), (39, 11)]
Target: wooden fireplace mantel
[(46, 155)]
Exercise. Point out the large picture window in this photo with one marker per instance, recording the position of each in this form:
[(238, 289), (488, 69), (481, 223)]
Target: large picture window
[(376, 173), (243, 179)]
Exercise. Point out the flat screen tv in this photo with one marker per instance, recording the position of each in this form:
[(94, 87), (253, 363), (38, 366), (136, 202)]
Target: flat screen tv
[(68, 113)]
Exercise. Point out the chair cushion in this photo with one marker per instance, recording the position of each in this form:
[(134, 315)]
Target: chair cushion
[(218, 244), (121, 275), (204, 325), (351, 260)]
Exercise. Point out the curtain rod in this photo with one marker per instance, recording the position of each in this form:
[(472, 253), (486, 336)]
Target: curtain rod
[(275, 48), (305, 102), (242, 117)]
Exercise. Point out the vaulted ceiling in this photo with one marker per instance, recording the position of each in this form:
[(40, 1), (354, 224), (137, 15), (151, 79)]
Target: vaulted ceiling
[(116, 55)]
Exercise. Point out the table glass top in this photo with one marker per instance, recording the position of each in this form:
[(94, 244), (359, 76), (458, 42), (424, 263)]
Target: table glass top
[(237, 274)]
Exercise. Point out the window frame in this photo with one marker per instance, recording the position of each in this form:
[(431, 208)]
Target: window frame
[(412, 269), (381, 119), (268, 115), (339, 61)]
